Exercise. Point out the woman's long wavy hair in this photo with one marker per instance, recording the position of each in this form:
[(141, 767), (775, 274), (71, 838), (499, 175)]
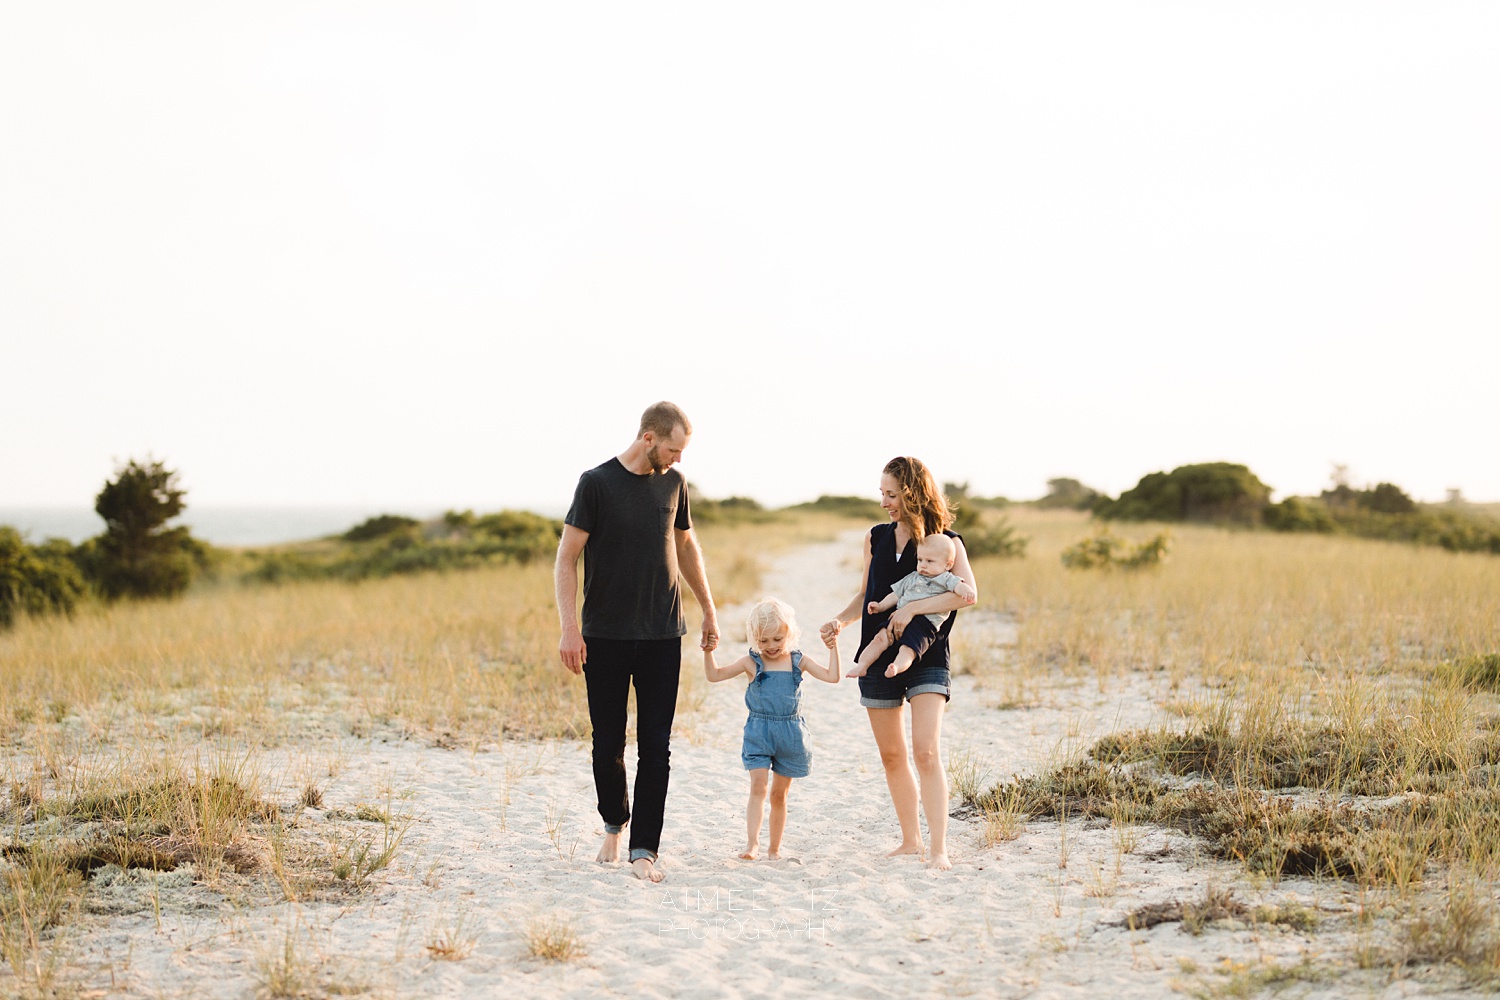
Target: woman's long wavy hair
[(924, 509)]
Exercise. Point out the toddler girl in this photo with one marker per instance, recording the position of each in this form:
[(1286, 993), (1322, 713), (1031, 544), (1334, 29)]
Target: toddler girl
[(775, 735)]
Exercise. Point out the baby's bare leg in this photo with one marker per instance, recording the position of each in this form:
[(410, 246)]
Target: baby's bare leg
[(904, 657), (755, 811), (780, 785), (879, 644)]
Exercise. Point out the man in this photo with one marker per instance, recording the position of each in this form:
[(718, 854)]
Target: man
[(631, 523)]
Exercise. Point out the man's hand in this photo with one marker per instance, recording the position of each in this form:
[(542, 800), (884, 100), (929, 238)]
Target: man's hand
[(573, 651), (710, 641)]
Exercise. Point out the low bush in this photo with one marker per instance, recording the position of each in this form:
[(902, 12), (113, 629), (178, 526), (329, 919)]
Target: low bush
[(1213, 491), (1106, 551), (392, 545), (36, 580), (845, 506)]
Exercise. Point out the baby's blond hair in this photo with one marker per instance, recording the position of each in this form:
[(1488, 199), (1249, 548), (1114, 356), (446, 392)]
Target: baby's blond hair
[(768, 615), (941, 542)]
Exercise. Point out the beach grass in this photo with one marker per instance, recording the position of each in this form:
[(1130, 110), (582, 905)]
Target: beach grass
[(1329, 710)]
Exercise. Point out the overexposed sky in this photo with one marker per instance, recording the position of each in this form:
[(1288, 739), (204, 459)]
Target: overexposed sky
[(443, 254)]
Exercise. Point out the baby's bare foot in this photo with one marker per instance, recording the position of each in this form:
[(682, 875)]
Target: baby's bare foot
[(609, 852), (748, 854), (896, 668), (939, 862), (646, 871), (905, 848), (773, 855)]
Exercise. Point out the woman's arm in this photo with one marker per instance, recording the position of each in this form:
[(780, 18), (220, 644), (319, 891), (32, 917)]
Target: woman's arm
[(855, 607), (940, 603)]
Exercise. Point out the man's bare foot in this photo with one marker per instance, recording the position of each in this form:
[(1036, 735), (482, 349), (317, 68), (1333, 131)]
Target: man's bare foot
[(904, 848), (748, 854), (939, 861), (609, 853), (646, 871)]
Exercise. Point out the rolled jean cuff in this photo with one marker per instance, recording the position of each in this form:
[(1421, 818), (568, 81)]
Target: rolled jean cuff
[(637, 853), (614, 827)]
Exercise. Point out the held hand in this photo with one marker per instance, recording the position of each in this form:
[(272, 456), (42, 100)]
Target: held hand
[(573, 651), (829, 631)]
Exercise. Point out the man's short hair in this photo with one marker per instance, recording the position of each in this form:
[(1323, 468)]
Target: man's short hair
[(663, 418)]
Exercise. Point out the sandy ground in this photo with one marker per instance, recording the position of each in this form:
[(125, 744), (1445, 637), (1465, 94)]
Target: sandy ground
[(505, 835)]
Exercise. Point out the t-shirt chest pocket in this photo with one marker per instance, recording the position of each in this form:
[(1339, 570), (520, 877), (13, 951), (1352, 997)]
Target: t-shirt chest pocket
[(665, 515)]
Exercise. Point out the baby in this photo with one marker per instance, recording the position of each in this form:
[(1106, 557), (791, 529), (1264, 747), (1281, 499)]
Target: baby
[(933, 576)]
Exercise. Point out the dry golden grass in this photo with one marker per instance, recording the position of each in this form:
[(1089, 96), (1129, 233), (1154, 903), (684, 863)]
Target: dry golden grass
[(1232, 605), (471, 650), (1336, 668)]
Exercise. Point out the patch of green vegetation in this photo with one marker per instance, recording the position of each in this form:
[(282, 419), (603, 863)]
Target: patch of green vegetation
[(1107, 551)]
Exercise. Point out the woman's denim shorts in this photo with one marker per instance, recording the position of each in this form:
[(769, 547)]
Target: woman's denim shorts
[(876, 690)]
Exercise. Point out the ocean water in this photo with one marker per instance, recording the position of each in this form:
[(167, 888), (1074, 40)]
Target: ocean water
[(219, 525)]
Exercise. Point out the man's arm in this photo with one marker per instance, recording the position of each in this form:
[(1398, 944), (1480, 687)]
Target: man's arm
[(571, 647), (690, 564)]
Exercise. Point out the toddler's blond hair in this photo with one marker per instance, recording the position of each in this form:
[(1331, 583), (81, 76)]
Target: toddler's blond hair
[(768, 615)]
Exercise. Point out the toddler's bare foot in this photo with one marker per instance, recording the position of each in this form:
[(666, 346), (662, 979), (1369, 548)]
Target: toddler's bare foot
[(906, 847), (939, 862), (646, 871), (857, 671), (609, 853), (773, 855), (748, 854), (896, 667)]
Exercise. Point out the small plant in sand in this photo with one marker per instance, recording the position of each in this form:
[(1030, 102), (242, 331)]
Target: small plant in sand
[(451, 939), (553, 938)]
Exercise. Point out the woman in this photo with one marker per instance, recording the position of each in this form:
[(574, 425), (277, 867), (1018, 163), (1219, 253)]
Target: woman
[(917, 508)]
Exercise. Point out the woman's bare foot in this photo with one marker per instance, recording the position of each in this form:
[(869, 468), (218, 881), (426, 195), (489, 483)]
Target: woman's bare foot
[(939, 862), (748, 854), (609, 852), (904, 848), (646, 871)]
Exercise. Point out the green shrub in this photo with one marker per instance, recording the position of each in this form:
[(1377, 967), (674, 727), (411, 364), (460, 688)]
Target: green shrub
[(1069, 494), (729, 510), (1299, 514), (1214, 491), (1106, 551), (994, 536), (380, 526), (36, 580), (138, 555), (457, 540)]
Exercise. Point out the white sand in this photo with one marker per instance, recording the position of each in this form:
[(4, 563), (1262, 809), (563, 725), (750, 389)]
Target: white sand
[(1029, 917)]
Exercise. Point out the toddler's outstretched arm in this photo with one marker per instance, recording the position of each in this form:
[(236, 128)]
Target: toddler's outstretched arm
[(716, 673), (824, 671)]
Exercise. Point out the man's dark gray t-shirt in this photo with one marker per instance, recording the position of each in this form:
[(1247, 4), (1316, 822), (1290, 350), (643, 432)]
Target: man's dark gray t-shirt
[(630, 559)]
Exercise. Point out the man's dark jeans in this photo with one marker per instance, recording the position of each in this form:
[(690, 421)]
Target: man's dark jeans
[(653, 665)]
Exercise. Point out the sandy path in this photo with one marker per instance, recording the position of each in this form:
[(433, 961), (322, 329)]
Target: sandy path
[(506, 837)]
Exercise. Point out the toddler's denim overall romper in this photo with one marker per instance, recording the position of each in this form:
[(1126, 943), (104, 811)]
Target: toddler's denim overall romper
[(775, 735)]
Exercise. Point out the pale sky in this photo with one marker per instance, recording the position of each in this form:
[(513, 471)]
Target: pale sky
[(443, 254)]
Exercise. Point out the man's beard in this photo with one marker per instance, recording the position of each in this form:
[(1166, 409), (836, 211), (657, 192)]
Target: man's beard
[(653, 456)]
